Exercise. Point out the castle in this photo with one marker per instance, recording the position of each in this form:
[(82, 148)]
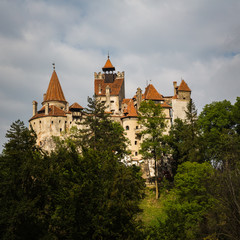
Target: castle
[(57, 117)]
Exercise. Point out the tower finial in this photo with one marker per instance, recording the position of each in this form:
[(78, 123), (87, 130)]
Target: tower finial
[(53, 66), (108, 54)]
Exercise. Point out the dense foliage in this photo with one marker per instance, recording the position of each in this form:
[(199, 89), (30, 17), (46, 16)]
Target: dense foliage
[(90, 194), (69, 194)]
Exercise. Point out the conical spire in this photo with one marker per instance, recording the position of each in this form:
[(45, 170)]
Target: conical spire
[(184, 87), (54, 91), (108, 66)]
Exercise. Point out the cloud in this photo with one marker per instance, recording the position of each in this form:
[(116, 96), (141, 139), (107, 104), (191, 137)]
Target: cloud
[(161, 41)]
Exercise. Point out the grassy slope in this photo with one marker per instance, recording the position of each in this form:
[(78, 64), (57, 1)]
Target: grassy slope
[(152, 208)]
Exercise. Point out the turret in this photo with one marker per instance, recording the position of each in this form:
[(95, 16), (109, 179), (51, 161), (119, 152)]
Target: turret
[(34, 103), (139, 97)]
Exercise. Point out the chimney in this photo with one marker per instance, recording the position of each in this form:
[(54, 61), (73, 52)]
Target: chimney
[(139, 97), (175, 87), (44, 96), (34, 103), (67, 108), (46, 108)]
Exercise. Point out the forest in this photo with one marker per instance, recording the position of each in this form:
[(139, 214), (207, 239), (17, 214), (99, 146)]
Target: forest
[(83, 189)]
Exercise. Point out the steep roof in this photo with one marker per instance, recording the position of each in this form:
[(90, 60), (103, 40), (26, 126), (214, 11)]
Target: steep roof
[(75, 106), (54, 91), (151, 93), (130, 111), (184, 87), (108, 66), (115, 87)]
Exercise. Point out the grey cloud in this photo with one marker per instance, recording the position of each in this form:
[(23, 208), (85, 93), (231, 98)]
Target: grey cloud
[(162, 41)]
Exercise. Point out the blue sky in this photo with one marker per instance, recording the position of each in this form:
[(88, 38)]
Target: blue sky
[(157, 40)]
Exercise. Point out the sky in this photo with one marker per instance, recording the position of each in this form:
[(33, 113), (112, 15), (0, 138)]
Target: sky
[(152, 41)]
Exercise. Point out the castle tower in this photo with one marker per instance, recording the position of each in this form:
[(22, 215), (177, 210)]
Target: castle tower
[(55, 117), (181, 98), (54, 95), (109, 87)]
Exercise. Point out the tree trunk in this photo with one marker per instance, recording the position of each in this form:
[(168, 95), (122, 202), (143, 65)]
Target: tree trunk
[(156, 179), (156, 186)]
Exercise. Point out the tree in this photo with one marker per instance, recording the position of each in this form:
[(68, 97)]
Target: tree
[(22, 186), (99, 131), (66, 195), (152, 118), (185, 139), (187, 204), (93, 195), (217, 127)]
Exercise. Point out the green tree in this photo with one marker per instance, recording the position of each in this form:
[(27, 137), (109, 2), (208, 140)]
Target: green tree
[(21, 184), (66, 195), (93, 195), (226, 190), (217, 127), (184, 139), (99, 131), (187, 205), (152, 119)]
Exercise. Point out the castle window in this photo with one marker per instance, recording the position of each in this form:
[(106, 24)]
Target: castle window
[(136, 153), (52, 122), (60, 129), (65, 121), (40, 122), (127, 128), (70, 122), (136, 127), (59, 121), (135, 142), (112, 101)]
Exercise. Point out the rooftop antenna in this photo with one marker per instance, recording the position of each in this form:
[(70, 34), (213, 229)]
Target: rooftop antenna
[(53, 66)]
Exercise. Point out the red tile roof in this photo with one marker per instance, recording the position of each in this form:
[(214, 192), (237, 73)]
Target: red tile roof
[(76, 106), (184, 87), (126, 100), (151, 93), (130, 111), (54, 91), (115, 87), (108, 65), (53, 111)]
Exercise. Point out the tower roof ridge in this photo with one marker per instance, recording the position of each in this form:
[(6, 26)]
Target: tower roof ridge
[(54, 91), (108, 66), (184, 87)]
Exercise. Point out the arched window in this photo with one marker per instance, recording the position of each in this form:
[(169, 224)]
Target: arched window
[(127, 128)]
